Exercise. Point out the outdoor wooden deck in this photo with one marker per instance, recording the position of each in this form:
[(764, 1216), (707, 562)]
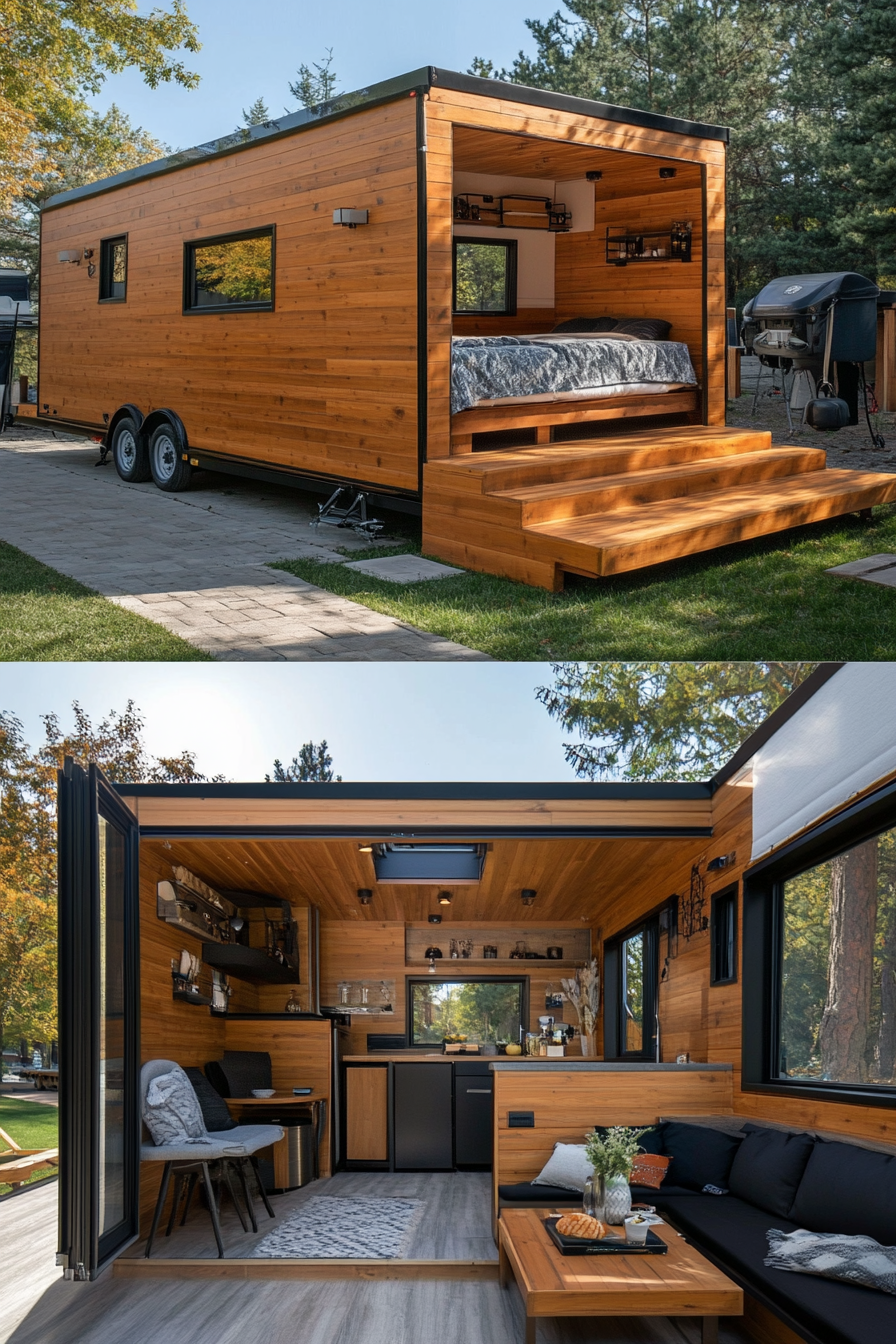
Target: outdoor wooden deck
[(607, 506)]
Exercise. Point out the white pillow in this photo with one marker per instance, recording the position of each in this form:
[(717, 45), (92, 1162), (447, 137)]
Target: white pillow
[(567, 1167), (171, 1111)]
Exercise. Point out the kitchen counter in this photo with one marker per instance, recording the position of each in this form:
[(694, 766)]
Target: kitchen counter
[(407, 1057)]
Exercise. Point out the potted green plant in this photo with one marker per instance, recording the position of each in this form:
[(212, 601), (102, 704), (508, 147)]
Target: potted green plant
[(612, 1154)]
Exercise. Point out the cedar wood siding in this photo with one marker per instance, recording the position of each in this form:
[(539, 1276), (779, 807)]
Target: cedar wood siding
[(324, 384)]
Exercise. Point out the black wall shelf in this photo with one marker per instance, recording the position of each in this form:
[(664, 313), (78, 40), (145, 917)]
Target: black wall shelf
[(672, 244), (248, 963)]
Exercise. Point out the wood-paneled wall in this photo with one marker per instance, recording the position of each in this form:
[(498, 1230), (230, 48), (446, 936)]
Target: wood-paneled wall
[(325, 383)]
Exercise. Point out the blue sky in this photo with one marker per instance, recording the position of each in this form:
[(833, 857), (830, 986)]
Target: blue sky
[(252, 51), (383, 721)]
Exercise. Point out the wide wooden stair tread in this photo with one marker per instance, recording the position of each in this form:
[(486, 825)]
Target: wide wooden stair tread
[(607, 506)]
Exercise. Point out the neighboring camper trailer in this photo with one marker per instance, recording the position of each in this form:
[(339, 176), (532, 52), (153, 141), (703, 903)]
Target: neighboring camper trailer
[(303, 299)]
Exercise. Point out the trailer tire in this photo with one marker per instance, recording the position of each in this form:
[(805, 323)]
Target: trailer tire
[(169, 470), (128, 450)]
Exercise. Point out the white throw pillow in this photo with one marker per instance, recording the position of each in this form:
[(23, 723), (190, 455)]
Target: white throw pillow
[(567, 1167)]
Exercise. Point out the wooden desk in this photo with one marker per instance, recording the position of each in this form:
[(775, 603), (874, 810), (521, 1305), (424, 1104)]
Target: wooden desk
[(255, 1109), (680, 1283)]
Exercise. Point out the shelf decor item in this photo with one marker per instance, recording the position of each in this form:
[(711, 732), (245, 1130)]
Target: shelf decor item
[(612, 1154), (583, 992)]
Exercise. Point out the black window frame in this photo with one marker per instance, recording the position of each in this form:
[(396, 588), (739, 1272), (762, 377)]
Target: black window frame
[(446, 979), (614, 1014), (189, 273), (512, 272), (724, 905), (106, 245), (762, 939)]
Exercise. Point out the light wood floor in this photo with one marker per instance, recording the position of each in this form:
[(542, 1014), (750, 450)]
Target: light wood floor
[(38, 1307)]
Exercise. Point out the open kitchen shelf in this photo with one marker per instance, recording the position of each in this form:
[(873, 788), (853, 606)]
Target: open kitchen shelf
[(672, 244), (574, 942), (480, 963), (248, 963)]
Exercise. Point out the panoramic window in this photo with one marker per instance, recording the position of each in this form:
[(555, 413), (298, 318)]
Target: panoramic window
[(837, 1007), (630, 993), (113, 269), (234, 272), (485, 276), (491, 1009)]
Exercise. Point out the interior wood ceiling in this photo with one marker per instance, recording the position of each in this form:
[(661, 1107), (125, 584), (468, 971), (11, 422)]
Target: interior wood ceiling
[(576, 879), (624, 174)]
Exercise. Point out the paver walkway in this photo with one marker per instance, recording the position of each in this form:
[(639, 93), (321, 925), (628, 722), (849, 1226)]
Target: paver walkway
[(196, 562)]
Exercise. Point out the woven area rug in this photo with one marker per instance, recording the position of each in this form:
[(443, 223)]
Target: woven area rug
[(325, 1228)]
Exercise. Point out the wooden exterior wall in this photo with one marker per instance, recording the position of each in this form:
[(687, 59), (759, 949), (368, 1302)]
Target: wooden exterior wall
[(327, 382), (445, 109)]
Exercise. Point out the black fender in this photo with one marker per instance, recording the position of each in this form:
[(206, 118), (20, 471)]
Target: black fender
[(127, 409), (165, 416)]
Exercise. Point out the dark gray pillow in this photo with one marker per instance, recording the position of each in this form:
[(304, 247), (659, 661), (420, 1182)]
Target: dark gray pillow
[(848, 1190), (645, 328), (211, 1103), (702, 1156), (833, 1256), (246, 1070), (768, 1167), (587, 325)]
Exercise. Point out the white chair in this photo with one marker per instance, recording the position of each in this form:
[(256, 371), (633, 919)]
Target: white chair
[(232, 1145)]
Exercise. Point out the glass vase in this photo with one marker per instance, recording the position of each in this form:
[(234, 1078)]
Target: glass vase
[(594, 1197), (587, 1042), (618, 1200)]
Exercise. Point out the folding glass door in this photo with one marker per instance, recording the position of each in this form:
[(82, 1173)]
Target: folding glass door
[(99, 1123)]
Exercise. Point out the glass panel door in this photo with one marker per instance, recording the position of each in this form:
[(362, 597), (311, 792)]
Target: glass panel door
[(633, 993)]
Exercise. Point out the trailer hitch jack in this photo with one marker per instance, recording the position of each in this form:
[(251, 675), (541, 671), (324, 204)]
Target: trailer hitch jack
[(348, 509)]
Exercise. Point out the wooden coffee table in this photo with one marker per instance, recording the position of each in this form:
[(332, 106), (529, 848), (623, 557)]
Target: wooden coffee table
[(679, 1283)]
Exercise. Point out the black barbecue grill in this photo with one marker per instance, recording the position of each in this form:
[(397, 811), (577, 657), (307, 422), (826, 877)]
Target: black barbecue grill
[(800, 321)]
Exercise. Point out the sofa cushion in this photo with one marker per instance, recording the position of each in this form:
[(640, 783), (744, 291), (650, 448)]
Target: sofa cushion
[(734, 1234), (700, 1156), (832, 1256), (245, 1070), (215, 1114), (649, 1142), (849, 1190), (567, 1168), (768, 1167)]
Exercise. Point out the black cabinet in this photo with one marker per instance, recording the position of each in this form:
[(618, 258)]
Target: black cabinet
[(473, 1114), (422, 1111)]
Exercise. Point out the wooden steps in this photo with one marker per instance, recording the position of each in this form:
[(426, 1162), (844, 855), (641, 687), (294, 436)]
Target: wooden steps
[(601, 507)]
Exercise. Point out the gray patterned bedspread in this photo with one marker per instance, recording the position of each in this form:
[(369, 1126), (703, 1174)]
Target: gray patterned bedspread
[(484, 367)]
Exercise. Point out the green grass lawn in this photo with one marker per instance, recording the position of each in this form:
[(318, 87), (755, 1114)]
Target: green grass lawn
[(46, 617), (768, 599), (32, 1125)]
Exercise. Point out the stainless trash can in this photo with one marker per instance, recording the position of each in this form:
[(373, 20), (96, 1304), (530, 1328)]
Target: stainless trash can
[(298, 1167)]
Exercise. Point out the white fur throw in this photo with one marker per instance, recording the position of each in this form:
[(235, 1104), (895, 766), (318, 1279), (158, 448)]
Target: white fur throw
[(171, 1111)]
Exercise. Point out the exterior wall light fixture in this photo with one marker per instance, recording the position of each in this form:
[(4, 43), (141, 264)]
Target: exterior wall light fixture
[(350, 219)]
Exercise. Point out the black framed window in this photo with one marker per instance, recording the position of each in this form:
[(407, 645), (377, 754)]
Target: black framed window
[(485, 276), (234, 271), (631, 963), (114, 269), (819, 934), (723, 937), (489, 1008)]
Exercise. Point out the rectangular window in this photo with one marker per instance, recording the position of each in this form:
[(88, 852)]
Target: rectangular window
[(630, 993), (234, 272), (493, 1008), (723, 937), (485, 276), (837, 969), (113, 269)]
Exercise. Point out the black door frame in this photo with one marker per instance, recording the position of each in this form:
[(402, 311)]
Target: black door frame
[(83, 797)]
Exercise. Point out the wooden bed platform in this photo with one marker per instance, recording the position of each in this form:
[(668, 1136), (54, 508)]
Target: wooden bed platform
[(606, 506), (550, 417)]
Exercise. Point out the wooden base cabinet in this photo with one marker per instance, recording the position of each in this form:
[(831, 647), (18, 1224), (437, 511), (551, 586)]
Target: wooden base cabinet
[(367, 1113)]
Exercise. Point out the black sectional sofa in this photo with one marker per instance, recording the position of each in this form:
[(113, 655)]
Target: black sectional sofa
[(773, 1178)]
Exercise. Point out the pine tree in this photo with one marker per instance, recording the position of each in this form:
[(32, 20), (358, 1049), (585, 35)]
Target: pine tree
[(313, 765), (257, 114), (315, 83)]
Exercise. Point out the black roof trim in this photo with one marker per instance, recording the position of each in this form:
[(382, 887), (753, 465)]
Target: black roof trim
[(623, 791), (776, 720), (388, 91), (359, 831)]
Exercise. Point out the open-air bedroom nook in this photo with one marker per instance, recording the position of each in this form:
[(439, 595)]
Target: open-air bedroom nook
[(498, 307), (360, 1032)]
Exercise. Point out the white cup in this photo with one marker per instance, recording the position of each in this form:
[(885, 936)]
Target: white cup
[(635, 1232)]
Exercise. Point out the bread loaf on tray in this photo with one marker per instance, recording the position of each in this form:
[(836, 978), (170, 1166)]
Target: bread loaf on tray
[(581, 1225)]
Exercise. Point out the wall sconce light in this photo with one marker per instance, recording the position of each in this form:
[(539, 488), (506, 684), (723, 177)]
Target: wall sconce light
[(594, 176), (350, 219), (668, 172), (721, 861), (365, 895), (74, 256), (527, 895), (444, 898), (365, 849)]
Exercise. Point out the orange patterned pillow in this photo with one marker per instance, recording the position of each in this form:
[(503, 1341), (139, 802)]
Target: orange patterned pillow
[(649, 1169)]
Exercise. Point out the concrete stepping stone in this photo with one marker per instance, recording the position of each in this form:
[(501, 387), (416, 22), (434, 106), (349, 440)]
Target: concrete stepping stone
[(403, 569), (873, 568)]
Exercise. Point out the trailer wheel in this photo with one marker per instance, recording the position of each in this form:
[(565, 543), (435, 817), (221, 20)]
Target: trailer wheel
[(169, 471), (129, 451)]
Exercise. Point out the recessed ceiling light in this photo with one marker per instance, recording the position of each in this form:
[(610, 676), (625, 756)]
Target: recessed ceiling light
[(444, 898), (527, 895), (364, 895), (365, 849)]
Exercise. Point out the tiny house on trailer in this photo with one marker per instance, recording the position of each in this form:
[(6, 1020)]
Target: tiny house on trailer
[(707, 905), (442, 293)]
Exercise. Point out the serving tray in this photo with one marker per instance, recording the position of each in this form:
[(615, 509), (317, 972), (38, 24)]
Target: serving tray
[(613, 1244)]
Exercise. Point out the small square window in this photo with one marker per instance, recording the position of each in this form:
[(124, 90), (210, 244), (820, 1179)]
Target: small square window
[(234, 272), (485, 276), (723, 937), (113, 269)]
